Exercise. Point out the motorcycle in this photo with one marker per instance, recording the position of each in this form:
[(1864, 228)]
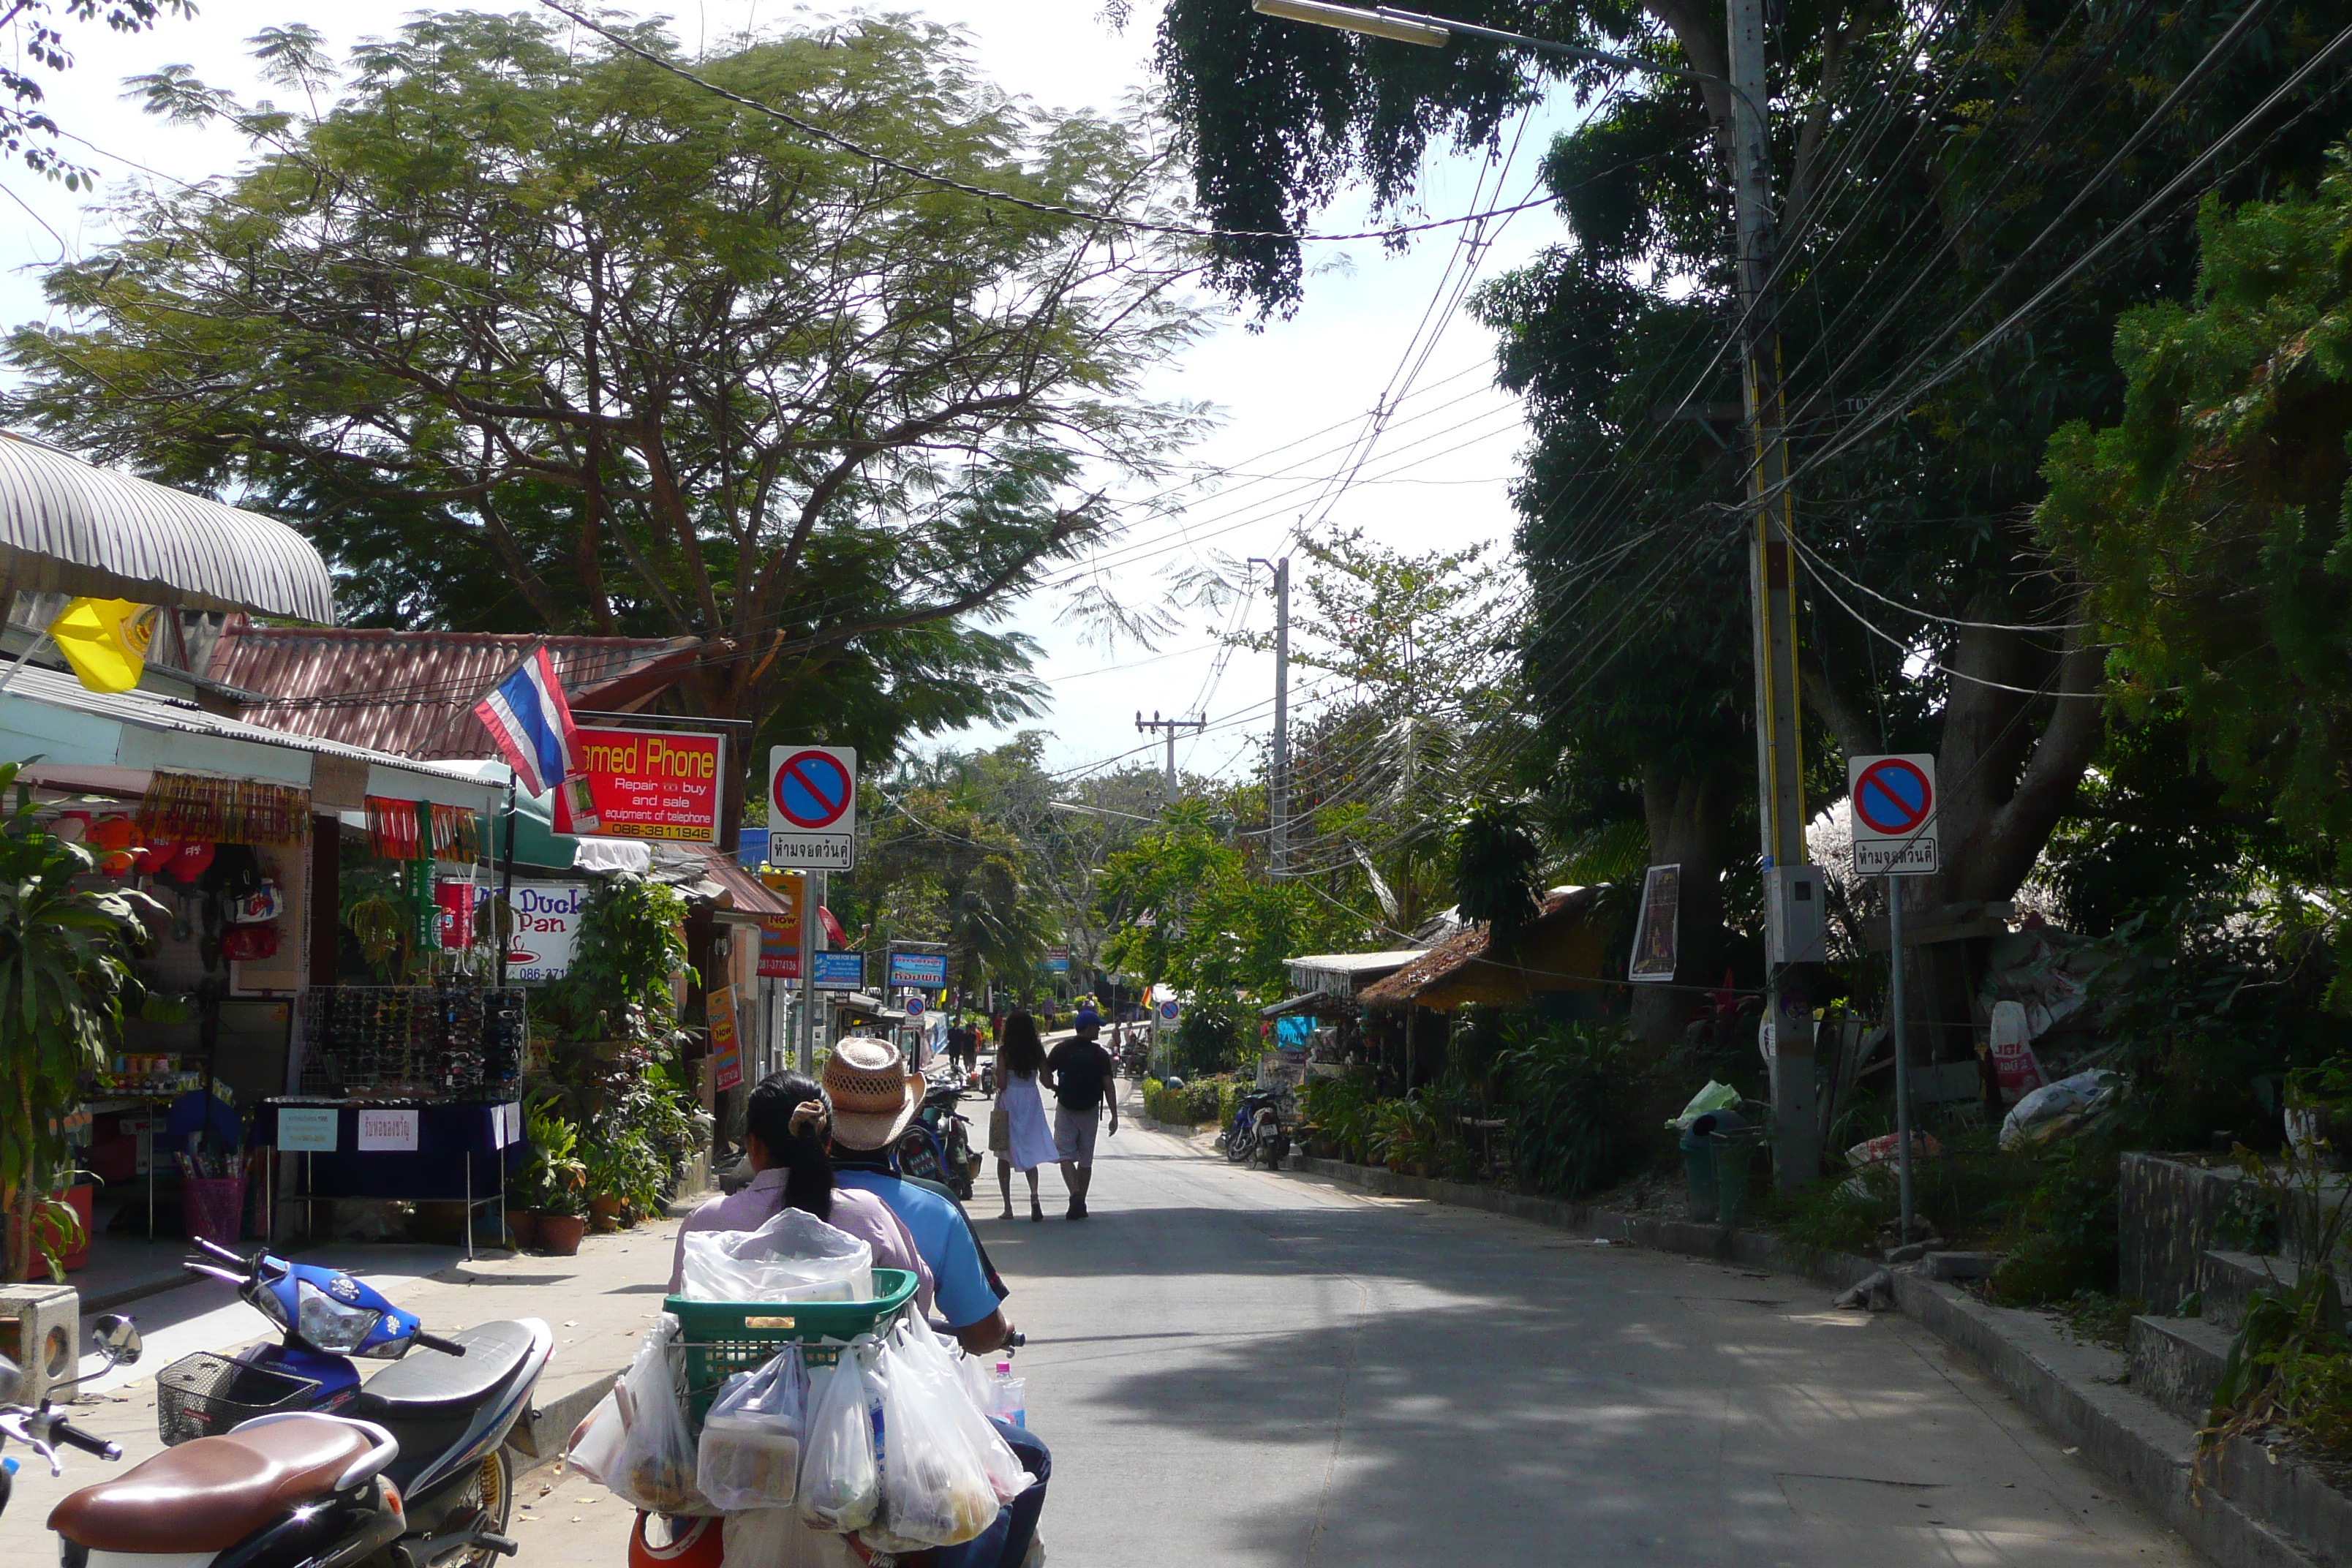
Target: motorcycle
[(937, 1146), (1258, 1133), (40, 1426), (446, 1418)]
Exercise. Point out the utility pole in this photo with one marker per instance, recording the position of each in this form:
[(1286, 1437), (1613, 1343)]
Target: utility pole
[(1772, 573), (1772, 586), (1277, 781), (1144, 726)]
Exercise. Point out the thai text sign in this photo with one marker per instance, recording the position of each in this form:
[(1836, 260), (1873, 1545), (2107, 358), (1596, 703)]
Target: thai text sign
[(918, 971), (650, 784)]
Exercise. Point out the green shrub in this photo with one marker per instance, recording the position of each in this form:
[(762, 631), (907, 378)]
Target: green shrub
[(1583, 1102)]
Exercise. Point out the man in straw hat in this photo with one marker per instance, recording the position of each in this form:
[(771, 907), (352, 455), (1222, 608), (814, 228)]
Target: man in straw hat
[(874, 1098)]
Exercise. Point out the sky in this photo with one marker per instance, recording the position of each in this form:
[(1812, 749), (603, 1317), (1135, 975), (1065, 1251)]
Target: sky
[(1372, 406)]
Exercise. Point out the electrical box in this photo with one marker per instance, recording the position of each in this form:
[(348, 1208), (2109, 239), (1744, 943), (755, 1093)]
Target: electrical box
[(1794, 912), (40, 1328)]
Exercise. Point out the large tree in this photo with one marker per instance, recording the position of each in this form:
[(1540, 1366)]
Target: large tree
[(523, 325), (1936, 167)]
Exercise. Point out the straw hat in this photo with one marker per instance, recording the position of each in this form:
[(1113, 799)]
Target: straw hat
[(874, 1095)]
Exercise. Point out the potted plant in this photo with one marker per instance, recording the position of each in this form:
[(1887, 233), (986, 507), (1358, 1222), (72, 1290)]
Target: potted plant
[(65, 968), (547, 1186)]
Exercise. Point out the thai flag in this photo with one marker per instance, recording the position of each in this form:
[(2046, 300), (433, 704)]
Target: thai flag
[(528, 718)]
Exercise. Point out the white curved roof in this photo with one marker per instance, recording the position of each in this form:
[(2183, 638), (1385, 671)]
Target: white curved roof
[(67, 527)]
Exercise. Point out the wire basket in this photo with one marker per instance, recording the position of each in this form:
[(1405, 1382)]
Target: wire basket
[(203, 1396), (720, 1339)]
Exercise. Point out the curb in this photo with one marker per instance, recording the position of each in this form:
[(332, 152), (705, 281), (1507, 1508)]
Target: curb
[(2256, 1509), (551, 1422)]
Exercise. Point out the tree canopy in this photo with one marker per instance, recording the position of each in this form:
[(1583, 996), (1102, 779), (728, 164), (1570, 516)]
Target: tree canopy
[(520, 328)]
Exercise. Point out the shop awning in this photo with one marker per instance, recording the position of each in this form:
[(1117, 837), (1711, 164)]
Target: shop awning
[(1306, 1004), (67, 527), (114, 741)]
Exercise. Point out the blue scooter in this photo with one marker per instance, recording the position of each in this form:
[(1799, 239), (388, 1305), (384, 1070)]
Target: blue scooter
[(451, 1413)]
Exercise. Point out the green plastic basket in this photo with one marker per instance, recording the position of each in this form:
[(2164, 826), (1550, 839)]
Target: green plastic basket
[(721, 1339)]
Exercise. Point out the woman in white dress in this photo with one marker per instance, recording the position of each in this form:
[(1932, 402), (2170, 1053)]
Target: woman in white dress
[(1018, 1133)]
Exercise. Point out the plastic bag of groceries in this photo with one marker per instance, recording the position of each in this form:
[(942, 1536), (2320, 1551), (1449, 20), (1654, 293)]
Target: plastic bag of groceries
[(654, 1468), (840, 1485), (776, 1538), (937, 1369), (750, 1454), (935, 1491), (794, 1257), (595, 1443)]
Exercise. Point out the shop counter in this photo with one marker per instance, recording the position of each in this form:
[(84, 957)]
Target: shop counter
[(427, 1152)]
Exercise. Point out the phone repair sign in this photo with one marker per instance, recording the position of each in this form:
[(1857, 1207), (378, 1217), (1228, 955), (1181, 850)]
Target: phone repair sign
[(812, 808), (1893, 810)]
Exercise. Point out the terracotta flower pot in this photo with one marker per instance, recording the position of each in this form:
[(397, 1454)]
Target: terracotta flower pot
[(523, 1226), (605, 1214), (558, 1234)]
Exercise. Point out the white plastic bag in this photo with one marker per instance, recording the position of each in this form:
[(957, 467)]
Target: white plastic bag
[(840, 1486), (935, 1491), (2061, 1107), (750, 1450), (776, 1538), (654, 1468), (931, 1364), (595, 1443), (795, 1257)]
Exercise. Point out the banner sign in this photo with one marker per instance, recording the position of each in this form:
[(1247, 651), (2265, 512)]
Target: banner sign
[(779, 947), (840, 971), (387, 1131), (546, 920), (1657, 931), (306, 1129), (725, 1051), (1057, 960), (649, 783), (917, 971)]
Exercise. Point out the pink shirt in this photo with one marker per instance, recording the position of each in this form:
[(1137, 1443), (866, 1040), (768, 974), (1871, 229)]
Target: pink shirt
[(862, 1214)]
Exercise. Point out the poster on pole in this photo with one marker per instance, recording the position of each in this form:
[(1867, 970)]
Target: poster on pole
[(1657, 931), (780, 934), (726, 1050), (1893, 805), (812, 808), (839, 970)]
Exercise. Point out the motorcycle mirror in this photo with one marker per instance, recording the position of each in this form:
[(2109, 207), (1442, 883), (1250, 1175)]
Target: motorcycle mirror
[(115, 1338)]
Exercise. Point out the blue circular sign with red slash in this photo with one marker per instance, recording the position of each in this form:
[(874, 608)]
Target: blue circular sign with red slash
[(1893, 797), (813, 790)]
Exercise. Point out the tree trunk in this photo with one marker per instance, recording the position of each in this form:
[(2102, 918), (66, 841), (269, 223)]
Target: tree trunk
[(1691, 826)]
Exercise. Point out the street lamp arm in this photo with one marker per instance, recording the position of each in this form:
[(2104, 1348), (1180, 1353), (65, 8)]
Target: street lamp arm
[(1420, 27)]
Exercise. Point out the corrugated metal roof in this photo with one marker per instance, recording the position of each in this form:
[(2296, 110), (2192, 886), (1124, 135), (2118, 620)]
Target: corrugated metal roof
[(67, 527), (410, 693), (1467, 948), (145, 710), (748, 895)]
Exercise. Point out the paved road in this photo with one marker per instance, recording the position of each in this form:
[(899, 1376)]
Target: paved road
[(1243, 1369)]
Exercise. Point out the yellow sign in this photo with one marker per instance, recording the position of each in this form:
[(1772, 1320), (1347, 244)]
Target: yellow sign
[(105, 641)]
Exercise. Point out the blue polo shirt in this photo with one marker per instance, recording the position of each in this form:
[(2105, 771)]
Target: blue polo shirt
[(959, 1285)]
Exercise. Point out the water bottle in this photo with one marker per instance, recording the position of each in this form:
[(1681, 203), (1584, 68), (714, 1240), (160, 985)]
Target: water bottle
[(1011, 1396)]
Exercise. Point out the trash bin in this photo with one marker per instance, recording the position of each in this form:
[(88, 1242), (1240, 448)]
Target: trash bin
[(1715, 1166)]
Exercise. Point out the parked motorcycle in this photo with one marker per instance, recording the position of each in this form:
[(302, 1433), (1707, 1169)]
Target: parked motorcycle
[(937, 1146), (40, 1426), (446, 1417), (1258, 1132)]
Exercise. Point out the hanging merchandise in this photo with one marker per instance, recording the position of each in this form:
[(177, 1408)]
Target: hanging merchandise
[(224, 810), (258, 906), (452, 1037), (249, 943)]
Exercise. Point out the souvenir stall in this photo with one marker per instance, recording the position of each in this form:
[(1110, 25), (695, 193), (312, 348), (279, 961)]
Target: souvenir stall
[(409, 1082), (222, 823)]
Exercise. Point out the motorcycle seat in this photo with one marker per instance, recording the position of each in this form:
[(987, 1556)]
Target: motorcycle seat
[(424, 1384), (210, 1494)]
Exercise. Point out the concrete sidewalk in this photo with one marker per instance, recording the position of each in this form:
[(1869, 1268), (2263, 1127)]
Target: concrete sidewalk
[(598, 1304)]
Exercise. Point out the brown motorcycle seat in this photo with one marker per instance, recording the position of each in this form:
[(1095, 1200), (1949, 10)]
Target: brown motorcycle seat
[(211, 1493)]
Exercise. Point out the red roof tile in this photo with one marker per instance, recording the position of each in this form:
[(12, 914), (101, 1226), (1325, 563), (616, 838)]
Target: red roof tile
[(409, 693)]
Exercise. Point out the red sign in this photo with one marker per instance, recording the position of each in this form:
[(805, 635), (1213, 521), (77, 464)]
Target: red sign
[(455, 902), (813, 789), (650, 784), (779, 947)]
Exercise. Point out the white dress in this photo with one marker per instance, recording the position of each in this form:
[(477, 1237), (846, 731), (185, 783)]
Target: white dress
[(1025, 1116)]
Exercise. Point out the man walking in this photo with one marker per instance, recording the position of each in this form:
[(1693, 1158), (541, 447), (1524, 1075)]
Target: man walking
[(1080, 1073)]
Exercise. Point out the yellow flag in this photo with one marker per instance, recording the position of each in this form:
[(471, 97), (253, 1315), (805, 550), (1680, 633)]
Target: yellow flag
[(105, 640)]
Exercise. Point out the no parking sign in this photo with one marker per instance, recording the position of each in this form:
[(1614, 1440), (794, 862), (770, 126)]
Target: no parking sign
[(1894, 805), (812, 808)]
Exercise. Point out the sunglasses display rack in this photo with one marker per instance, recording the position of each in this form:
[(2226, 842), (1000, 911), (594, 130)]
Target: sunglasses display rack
[(453, 1040)]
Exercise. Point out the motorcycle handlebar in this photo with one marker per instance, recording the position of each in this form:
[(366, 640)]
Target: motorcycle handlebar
[(73, 1436), (435, 1342)]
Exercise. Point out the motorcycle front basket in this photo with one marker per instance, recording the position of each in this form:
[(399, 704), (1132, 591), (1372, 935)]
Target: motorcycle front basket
[(203, 1396)]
